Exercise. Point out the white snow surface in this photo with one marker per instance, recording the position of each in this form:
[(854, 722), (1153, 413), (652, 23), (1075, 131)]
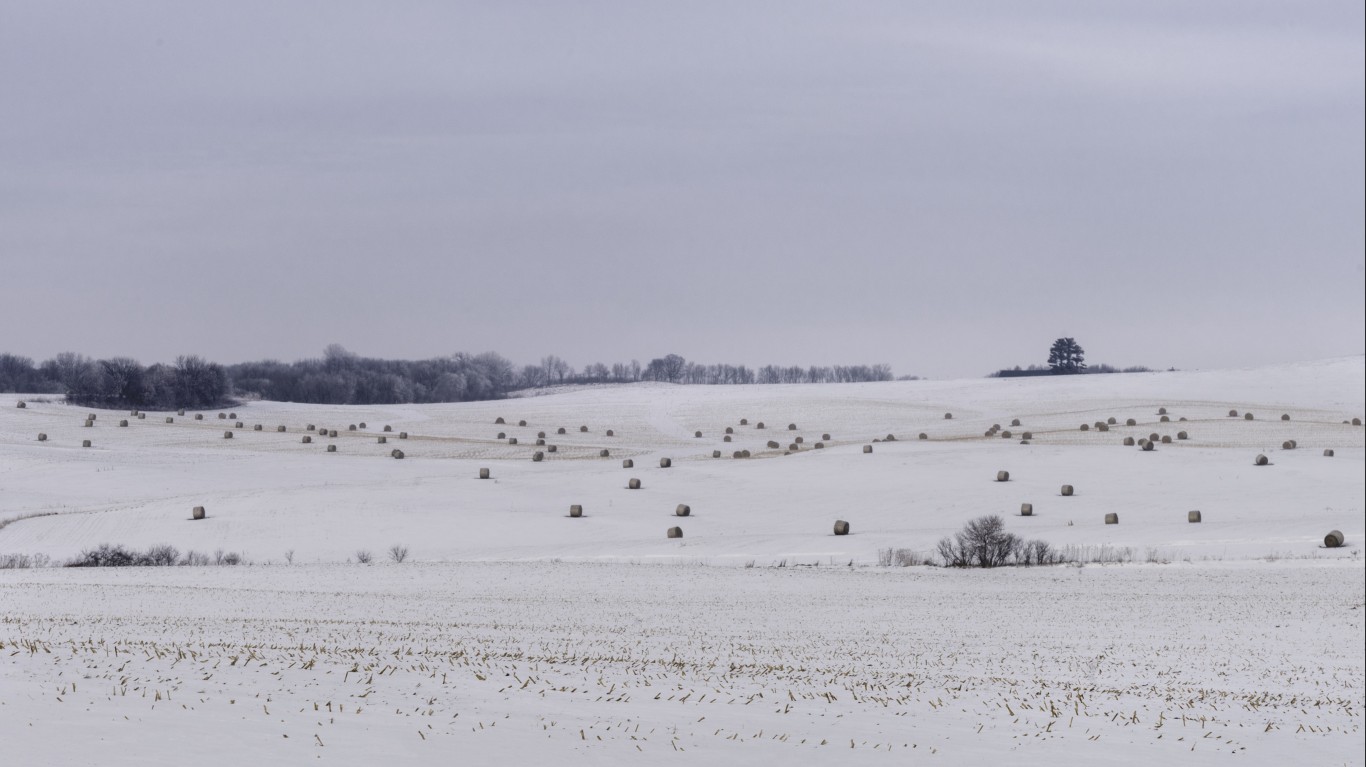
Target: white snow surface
[(515, 633)]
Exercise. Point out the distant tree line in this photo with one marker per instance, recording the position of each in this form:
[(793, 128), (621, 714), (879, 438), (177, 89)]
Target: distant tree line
[(1065, 357), (340, 377)]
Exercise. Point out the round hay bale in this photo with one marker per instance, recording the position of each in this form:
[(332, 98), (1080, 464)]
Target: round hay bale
[(1165, 419), (1182, 419), (257, 427), (726, 438), (540, 435), (1182, 435), (1193, 517), (988, 433), (1233, 414), (697, 435), (540, 443), (575, 511), (381, 439), (89, 424), (232, 416), (922, 435), (1014, 422), (1002, 476), (537, 456), (21, 404), (85, 443), (222, 416), (1162, 411), (611, 433), (310, 427), (552, 448), (1128, 441), (180, 412), (1294, 444), (1326, 453), (197, 512), (498, 420), (1086, 427), (331, 448), (730, 430), (123, 423), (1261, 460), (1287, 445), (332, 433), (716, 454), (403, 435), (512, 440), (1247, 416), (396, 453), (759, 425), (1067, 490), (561, 430), (683, 510), (227, 435), (1154, 437), (633, 484), (841, 527), (675, 532), (819, 446), (792, 448), (1130, 422), (521, 423), (1027, 435), (281, 429), (1166, 439), (792, 427), (42, 437), (744, 422), (665, 463), (238, 425), (362, 425), (388, 428), (996, 427), (628, 464), (1112, 518), (583, 429), (604, 453), (1334, 539), (142, 416), (746, 453), (1285, 416), (772, 445), (1102, 427), (890, 438), (484, 474), (867, 448), (502, 435), (948, 416), (1026, 509), (738, 454), (1148, 446), (800, 440), (1006, 434), (825, 437), (1356, 421), (307, 439)]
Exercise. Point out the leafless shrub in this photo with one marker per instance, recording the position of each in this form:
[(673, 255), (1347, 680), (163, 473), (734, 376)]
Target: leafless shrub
[(194, 558), (398, 552), (289, 556), (364, 557)]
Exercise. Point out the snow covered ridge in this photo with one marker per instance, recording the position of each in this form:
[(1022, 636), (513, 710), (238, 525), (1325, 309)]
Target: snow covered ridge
[(266, 491)]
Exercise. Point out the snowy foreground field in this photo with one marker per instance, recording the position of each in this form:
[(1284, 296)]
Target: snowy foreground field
[(516, 633)]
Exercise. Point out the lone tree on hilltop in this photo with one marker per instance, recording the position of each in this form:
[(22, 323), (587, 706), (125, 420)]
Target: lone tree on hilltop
[(1067, 356)]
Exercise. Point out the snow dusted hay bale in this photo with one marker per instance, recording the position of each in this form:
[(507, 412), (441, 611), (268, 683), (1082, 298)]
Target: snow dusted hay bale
[(307, 440), (1102, 426), (281, 429), (1014, 422), (773, 445), (744, 422), (583, 429), (180, 412), (537, 456), (502, 435), (792, 427), (1247, 416), (867, 448), (683, 510), (540, 435), (697, 435), (512, 440), (483, 473), (744, 453), (1356, 421), (197, 512), (362, 425), (42, 437), (1285, 416), (794, 447), (498, 420), (1165, 419), (257, 427), (716, 454), (726, 438), (1130, 422), (331, 448), (1334, 539), (388, 428), (332, 433), (199, 416), (21, 404), (675, 532), (1112, 421), (948, 416), (799, 440), (888, 438), (1166, 439), (1326, 453), (611, 433), (1162, 411), (730, 430), (1002, 476), (819, 446), (604, 453), (561, 431), (310, 427), (1086, 427), (232, 416), (552, 448), (403, 435), (1128, 441), (1261, 460), (841, 527), (665, 463), (628, 464), (1148, 446), (227, 435), (238, 425), (1026, 509), (521, 423), (381, 439), (396, 453), (123, 423), (1154, 437), (1182, 435), (922, 436), (1233, 414), (222, 416), (633, 484), (540, 442), (575, 511), (1288, 445), (825, 438), (1193, 517), (85, 443), (1067, 490), (89, 424), (759, 425), (1112, 518), (738, 454), (1006, 434)]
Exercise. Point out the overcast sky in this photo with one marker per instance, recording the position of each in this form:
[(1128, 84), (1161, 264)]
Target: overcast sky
[(945, 187)]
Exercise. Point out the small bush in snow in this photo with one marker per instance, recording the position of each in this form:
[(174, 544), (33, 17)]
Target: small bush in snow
[(364, 557), (398, 553)]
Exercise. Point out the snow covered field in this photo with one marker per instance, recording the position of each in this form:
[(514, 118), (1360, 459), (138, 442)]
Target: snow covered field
[(515, 632)]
